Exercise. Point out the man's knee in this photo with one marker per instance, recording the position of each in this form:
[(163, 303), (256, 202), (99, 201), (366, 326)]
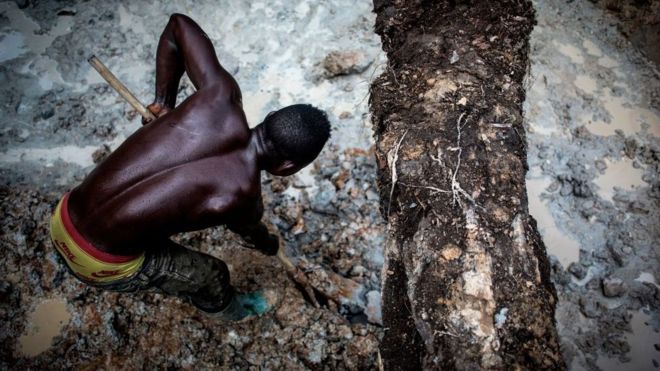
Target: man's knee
[(196, 270)]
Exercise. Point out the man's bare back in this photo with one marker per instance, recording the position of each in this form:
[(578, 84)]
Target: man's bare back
[(190, 169)]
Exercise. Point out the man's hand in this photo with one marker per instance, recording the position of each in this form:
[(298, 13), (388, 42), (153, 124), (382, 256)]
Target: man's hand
[(258, 236), (271, 247), (158, 109)]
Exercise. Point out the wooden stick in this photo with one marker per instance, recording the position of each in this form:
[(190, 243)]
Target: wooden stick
[(120, 88), (298, 276)]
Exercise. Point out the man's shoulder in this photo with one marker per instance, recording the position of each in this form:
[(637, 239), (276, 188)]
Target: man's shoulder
[(236, 194), (224, 93), (223, 117), (239, 173)]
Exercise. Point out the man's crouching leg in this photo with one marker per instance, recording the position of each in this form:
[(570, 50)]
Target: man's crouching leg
[(203, 280)]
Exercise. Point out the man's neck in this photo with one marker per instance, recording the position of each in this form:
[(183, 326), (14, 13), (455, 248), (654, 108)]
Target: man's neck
[(259, 146)]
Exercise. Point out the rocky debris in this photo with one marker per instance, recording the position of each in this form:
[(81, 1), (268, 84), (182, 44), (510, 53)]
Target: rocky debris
[(613, 287), (329, 216), (101, 153), (578, 270), (322, 201), (589, 307), (347, 62), (374, 310), (344, 238), (638, 21), (294, 335)]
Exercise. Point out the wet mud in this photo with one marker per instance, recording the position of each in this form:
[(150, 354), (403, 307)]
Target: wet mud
[(593, 130)]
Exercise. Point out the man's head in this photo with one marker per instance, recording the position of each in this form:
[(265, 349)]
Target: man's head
[(294, 136)]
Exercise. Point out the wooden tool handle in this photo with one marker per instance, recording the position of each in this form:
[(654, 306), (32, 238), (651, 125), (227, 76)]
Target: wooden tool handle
[(120, 88), (288, 265)]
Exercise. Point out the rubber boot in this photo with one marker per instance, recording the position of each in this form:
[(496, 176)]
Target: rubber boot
[(244, 305)]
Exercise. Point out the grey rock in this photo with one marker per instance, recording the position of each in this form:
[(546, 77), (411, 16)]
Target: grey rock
[(323, 198), (593, 284), (630, 147), (345, 63), (588, 204), (22, 4), (328, 171), (47, 113), (589, 307), (638, 208), (454, 57), (577, 270), (372, 195), (614, 287), (554, 186)]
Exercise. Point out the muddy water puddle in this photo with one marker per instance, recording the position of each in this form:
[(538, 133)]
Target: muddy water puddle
[(557, 242), (591, 48), (44, 323), (586, 84), (621, 175), (586, 77), (643, 342), (623, 116), (571, 51)]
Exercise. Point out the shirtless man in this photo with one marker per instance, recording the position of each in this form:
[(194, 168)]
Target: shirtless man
[(196, 166)]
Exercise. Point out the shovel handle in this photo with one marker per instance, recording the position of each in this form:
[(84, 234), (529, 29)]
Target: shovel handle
[(298, 278), (120, 88), (288, 265)]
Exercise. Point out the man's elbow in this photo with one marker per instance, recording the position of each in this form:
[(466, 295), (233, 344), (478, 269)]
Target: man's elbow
[(177, 19)]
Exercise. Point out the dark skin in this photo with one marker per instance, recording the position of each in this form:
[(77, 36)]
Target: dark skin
[(196, 166)]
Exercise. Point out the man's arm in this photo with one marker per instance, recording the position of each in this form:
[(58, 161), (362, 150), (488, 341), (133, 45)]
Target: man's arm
[(258, 236), (255, 232), (184, 47)]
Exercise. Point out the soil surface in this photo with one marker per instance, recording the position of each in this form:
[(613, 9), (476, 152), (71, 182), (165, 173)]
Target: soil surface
[(466, 281), (59, 117)]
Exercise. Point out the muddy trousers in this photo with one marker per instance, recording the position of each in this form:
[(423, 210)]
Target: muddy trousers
[(171, 269)]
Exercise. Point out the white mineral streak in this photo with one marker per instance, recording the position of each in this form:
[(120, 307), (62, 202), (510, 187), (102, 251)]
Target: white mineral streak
[(500, 318), (475, 312), (422, 256), (526, 253)]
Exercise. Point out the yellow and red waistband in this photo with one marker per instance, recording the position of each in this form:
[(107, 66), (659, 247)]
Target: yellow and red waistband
[(86, 261)]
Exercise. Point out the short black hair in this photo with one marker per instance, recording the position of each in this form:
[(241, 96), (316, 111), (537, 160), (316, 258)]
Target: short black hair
[(298, 132)]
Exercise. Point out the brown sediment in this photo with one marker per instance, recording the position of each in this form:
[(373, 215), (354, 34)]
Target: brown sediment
[(452, 161)]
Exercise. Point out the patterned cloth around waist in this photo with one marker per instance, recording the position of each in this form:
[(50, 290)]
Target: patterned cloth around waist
[(85, 260)]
